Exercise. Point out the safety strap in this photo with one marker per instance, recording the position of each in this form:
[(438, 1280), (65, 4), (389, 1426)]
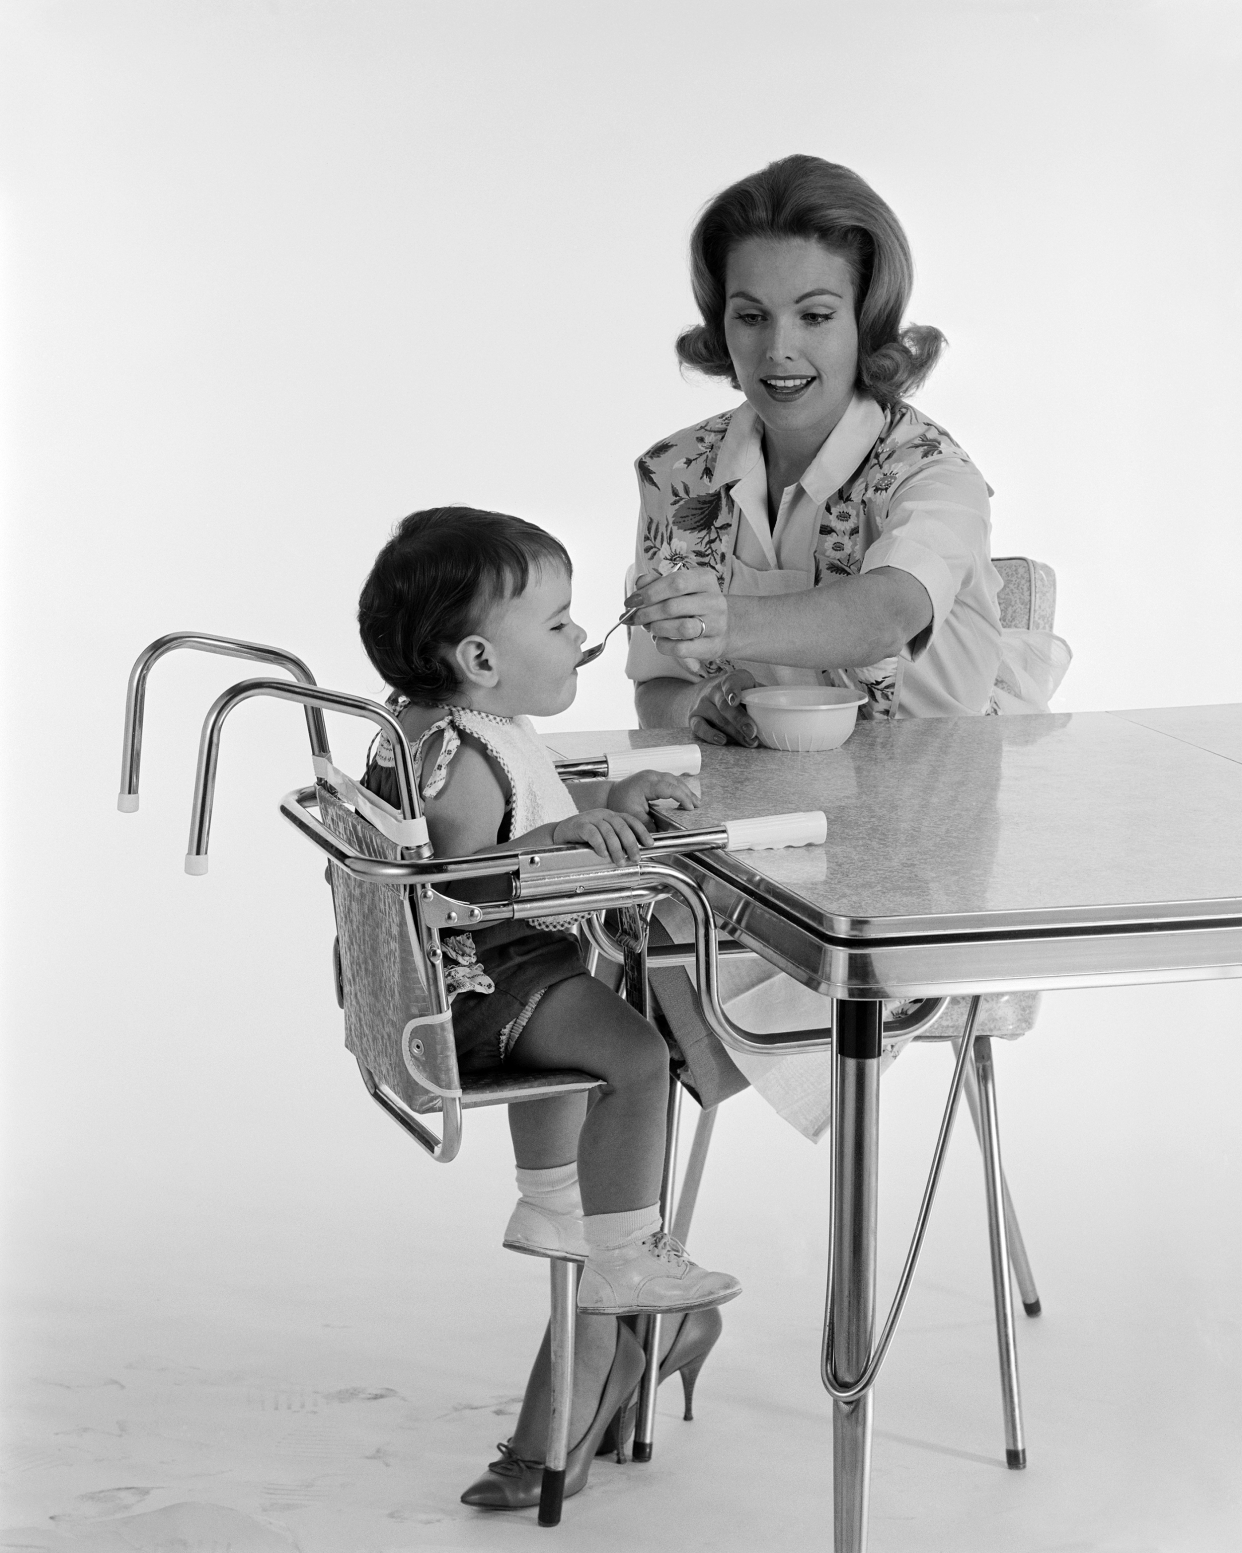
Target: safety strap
[(404, 833)]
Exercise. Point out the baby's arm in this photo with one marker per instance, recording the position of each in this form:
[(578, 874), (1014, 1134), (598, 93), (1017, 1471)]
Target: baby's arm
[(633, 794), (464, 817)]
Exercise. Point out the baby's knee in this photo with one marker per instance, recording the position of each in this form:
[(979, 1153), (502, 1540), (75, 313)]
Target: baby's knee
[(649, 1053)]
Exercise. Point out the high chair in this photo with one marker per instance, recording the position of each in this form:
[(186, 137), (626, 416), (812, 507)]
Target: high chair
[(392, 900)]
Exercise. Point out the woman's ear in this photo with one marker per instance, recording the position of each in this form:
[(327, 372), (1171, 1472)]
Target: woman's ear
[(475, 657)]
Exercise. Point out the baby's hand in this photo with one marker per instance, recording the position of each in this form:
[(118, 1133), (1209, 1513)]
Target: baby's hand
[(634, 794), (614, 836)]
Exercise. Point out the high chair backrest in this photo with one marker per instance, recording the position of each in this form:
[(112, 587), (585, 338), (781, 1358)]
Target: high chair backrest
[(392, 1025), (1028, 599)]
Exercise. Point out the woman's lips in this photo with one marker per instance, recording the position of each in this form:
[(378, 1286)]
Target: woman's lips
[(786, 388)]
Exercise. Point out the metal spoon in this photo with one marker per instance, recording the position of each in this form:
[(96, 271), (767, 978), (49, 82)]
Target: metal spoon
[(591, 653)]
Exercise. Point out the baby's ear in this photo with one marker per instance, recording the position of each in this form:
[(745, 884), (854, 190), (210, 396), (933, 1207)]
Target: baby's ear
[(476, 658)]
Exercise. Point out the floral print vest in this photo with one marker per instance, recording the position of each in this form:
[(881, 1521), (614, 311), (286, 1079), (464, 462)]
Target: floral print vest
[(689, 521)]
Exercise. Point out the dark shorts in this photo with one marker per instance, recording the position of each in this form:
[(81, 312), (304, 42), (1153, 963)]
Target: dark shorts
[(521, 960)]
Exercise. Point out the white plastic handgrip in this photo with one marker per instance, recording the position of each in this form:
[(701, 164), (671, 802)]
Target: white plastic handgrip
[(777, 830), (678, 759)]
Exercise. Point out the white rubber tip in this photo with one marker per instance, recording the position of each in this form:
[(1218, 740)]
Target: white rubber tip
[(778, 830), (127, 803), (676, 759), (195, 865)]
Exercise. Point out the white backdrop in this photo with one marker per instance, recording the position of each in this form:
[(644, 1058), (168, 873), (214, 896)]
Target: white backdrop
[(278, 273)]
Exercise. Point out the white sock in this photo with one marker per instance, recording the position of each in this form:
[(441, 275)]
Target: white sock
[(610, 1231), (555, 1189)]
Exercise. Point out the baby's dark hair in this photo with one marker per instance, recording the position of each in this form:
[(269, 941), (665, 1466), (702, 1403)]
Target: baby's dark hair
[(433, 582)]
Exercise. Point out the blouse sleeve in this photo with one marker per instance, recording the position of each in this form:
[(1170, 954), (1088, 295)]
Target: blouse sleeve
[(938, 528), (645, 661)]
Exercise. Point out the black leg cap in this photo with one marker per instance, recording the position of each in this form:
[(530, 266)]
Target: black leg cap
[(1033, 1309), (551, 1494), (641, 1450), (1015, 1460)]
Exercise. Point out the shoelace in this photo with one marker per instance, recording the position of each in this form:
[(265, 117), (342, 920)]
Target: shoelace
[(665, 1246), (510, 1463)]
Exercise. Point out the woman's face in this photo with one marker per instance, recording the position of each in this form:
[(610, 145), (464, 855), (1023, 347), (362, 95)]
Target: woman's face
[(789, 325)]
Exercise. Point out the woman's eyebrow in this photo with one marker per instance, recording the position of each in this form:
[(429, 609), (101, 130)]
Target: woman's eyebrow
[(820, 291)]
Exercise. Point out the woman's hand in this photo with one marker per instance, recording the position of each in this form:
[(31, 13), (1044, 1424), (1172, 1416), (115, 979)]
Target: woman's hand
[(633, 794), (718, 716), (614, 836), (685, 613)]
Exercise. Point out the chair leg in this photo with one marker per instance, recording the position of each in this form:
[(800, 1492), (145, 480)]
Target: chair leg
[(1018, 1258), (693, 1178), (994, 1179), (644, 1427), (564, 1278)]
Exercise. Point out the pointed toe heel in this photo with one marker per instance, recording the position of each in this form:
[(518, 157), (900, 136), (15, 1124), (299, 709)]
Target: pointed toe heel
[(515, 1483)]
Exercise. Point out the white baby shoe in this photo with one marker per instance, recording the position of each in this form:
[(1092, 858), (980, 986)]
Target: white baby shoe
[(647, 1276), (539, 1230)]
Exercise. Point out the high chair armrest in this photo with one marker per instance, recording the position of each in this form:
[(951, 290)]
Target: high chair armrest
[(199, 641)]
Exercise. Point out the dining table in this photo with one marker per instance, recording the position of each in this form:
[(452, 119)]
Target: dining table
[(966, 855)]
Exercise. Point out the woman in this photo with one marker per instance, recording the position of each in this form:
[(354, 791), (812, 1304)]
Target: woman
[(822, 531)]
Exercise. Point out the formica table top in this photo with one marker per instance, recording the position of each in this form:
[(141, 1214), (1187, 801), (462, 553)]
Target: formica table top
[(947, 830)]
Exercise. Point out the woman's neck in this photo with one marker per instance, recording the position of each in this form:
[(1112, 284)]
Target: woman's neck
[(789, 452)]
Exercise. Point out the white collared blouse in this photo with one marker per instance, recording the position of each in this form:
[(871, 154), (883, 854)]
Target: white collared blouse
[(887, 488)]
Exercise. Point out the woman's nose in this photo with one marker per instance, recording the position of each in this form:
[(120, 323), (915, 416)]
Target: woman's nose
[(781, 345)]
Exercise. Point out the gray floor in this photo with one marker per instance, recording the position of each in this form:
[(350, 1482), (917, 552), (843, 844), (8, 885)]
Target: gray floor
[(257, 1347)]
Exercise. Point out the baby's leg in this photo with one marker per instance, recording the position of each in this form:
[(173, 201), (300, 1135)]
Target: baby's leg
[(580, 1024), (545, 1132)]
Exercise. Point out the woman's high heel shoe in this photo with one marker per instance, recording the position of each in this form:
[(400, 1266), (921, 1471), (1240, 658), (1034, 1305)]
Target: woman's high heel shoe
[(513, 1482), (695, 1338)]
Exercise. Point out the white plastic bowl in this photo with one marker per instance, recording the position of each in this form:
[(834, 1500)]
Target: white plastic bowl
[(803, 717)]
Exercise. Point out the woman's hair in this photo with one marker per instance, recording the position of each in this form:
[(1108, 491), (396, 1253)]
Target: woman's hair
[(804, 196), (433, 582)]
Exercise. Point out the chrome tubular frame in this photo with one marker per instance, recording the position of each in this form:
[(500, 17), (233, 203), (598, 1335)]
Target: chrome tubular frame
[(1002, 1290), (578, 884), (445, 1148), (198, 641), (562, 1332), (847, 1390), (310, 697)]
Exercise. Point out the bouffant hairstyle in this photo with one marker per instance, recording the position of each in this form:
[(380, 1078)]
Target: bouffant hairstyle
[(433, 583), (804, 196)]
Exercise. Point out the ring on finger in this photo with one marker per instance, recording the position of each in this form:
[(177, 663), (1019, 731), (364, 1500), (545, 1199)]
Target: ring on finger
[(702, 628)]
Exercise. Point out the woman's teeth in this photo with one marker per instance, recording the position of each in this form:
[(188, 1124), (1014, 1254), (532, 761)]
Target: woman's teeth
[(787, 386)]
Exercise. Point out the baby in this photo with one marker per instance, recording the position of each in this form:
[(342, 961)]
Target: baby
[(466, 617)]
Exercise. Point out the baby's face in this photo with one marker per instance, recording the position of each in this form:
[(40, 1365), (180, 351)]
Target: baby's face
[(537, 647)]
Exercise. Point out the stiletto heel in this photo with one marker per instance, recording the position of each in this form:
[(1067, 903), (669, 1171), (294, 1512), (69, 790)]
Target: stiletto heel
[(690, 1374), (514, 1482), (695, 1338)]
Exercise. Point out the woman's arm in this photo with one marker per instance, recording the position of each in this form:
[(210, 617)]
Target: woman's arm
[(710, 708), (841, 624)]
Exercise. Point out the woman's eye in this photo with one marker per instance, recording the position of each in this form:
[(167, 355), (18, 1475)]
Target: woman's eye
[(818, 318), (748, 318)]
